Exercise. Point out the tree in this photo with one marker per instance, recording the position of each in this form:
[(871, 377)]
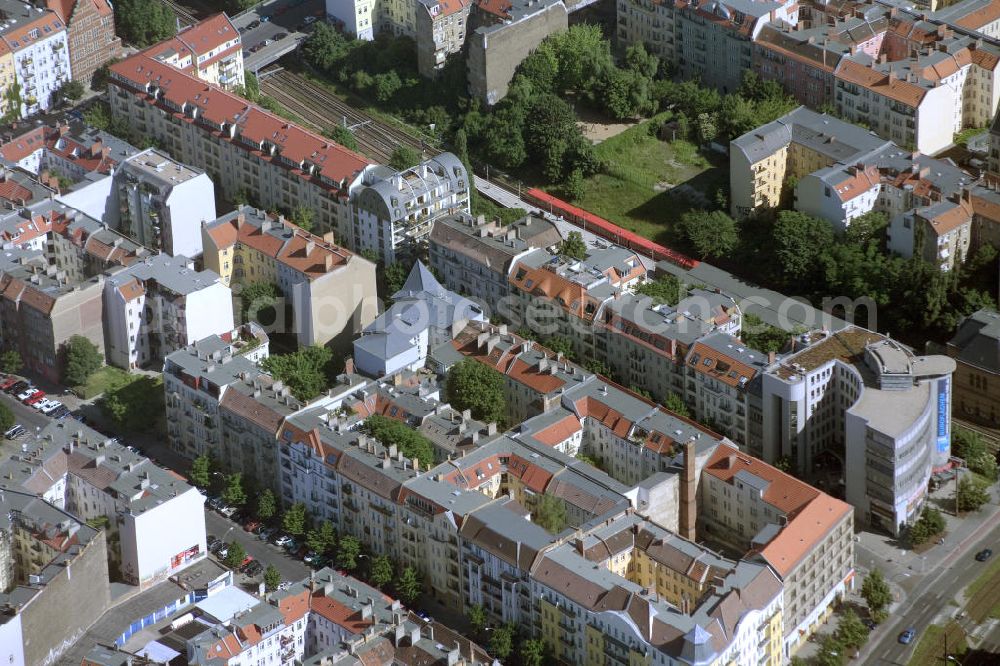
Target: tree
[(408, 585), (12, 102), (133, 405), (761, 336), (391, 432), (6, 418), (272, 578), (320, 539), (294, 520), (71, 91), (533, 652), (573, 246), (831, 652), (235, 555), (876, 593), (851, 631), (868, 227), (501, 642), (573, 187), (258, 301), (303, 217), (380, 573), (477, 387), (303, 371), (404, 157), (395, 277), (970, 447), (784, 464), (930, 524), (561, 345), (342, 135), (710, 233), (676, 404), (971, 494), (97, 116), (665, 289), (597, 366), (550, 514), (81, 359), (477, 618), (325, 46), (143, 22), (387, 84), (799, 242), (348, 549), (11, 361), (706, 128), (201, 470), (233, 494), (266, 505)]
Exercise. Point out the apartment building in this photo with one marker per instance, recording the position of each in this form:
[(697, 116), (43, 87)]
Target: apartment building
[(330, 289), (210, 50), (440, 32), (83, 472), (42, 309), (72, 153), (195, 381), (394, 211), (940, 233), (843, 172), (423, 315), (977, 373), (163, 203), (504, 34), (242, 148), (36, 38), (805, 536), (870, 402), (159, 305), (90, 28), (52, 564), (474, 255)]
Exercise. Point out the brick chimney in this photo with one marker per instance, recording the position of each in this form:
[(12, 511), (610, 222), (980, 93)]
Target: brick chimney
[(689, 504)]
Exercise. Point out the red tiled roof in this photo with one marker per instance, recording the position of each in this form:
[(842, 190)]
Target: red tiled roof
[(559, 431), (894, 88)]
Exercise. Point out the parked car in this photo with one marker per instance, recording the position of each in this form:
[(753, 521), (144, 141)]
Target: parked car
[(309, 20), (246, 560), (222, 551), (283, 540), (7, 383), (280, 36), (870, 623), (251, 525), (17, 387), (51, 407), (984, 555), (310, 557), (60, 412), (35, 398), (227, 511), (15, 431), (907, 636), (254, 25), (213, 542), (266, 533), (253, 569), (27, 393)]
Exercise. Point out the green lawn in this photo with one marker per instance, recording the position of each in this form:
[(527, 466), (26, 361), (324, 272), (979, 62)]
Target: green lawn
[(648, 183), (106, 378), (981, 596), (931, 647)]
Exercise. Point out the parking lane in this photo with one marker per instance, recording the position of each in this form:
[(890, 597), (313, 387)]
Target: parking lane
[(290, 568), (261, 27)]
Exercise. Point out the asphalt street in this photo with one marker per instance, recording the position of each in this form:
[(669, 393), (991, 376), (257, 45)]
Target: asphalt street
[(930, 603), (291, 569)]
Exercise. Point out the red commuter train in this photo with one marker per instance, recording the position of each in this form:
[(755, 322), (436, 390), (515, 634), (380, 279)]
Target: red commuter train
[(601, 227)]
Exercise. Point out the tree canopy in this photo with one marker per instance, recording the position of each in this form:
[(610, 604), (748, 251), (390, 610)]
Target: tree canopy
[(144, 22), (711, 233), (81, 359), (408, 585), (392, 432), (304, 371), (573, 246), (550, 514), (664, 289), (6, 418), (294, 520), (404, 157), (876, 593), (474, 386), (11, 361), (971, 494)]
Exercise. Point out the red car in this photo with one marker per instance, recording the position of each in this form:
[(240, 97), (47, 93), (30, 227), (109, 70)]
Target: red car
[(37, 396), (7, 383), (246, 560), (251, 525)]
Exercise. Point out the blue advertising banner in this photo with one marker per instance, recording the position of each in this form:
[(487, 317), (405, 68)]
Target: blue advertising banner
[(943, 440)]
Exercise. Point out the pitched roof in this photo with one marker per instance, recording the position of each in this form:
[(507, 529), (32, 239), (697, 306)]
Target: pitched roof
[(880, 83)]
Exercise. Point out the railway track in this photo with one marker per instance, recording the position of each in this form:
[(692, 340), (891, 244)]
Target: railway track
[(322, 109), (183, 14)]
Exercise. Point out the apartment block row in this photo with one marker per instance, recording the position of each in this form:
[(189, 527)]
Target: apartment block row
[(914, 78), (77, 505), (466, 523), (842, 172), (245, 149)]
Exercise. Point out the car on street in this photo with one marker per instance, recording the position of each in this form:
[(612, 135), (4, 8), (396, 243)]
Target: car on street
[(251, 525), (17, 387), (246, 560), (50, 406), (7, 383), (227, 511), (222, 551), (309, 20), (254, 25), (265, 18), (213, 542), (292, 546), (15, 432), (253, 569), (984, 555), (27, 393), (907, 636), (34, 399), (870, 623), (266, 533), (60, 412), (280, 36), (310, 557), (283, 540)]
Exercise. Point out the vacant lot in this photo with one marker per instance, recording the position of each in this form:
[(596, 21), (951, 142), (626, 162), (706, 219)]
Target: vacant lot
[(647, 183), (104, 379)]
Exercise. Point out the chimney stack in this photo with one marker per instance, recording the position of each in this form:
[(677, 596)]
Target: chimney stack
[(689, 486)]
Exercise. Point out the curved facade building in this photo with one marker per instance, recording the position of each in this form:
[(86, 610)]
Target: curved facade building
[(882, 410)]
